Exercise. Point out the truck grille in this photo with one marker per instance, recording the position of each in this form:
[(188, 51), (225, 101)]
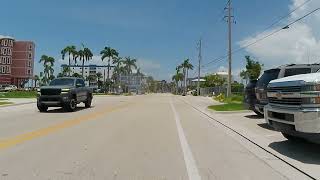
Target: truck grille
[(294, 101), (285, 89), (50, 91), (286, 101)]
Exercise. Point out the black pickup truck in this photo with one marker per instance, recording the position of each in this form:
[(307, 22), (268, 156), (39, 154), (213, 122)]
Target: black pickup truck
[(64, 92)]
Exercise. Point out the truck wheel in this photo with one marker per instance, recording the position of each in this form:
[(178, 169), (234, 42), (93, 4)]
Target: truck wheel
[(42, 108), (290, 137), (88, 102), (71, 106)]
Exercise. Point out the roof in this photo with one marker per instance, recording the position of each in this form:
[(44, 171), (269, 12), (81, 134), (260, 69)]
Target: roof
[(196, 80), (6, 37)]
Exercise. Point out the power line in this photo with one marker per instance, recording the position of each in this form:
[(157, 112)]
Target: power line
[(285, 16), (260, 39)]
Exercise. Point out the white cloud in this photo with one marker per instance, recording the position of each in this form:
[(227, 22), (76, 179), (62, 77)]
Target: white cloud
[(294, 45), (148, 66)]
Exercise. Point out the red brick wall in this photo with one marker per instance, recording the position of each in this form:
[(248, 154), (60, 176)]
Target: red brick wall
[(22, 59)]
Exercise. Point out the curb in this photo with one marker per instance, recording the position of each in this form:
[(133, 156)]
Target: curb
[(8, 105), (229, 112)]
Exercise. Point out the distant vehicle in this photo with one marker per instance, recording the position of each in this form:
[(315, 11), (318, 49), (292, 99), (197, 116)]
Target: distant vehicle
[(8, 87), (64, 92), (294, 105), (276, 73)]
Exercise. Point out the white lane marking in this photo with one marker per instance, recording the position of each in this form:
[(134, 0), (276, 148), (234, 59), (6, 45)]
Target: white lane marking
[(193, 172)]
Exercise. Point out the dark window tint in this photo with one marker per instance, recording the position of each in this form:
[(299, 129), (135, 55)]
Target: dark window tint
[(268, 76), (80, 81), (296, 71), (62, 82)]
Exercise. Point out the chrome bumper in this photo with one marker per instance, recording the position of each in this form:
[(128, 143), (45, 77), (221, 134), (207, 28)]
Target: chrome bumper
[(302, 120)]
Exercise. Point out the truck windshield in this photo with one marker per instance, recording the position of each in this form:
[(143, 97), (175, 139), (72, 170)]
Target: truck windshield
[(62, 82), (296, 71), (268, 76)]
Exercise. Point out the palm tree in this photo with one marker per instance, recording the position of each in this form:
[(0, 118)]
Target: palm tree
[(71, 51), (91, 78), (110, 53), (177, 77), (118, 69), (185, 66), (48, 63), (85, 55), (65, 71), (129, 63)]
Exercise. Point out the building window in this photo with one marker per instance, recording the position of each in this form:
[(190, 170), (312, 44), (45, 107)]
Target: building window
[(30, 56), (29, 72), (8, 60), (30, 47)]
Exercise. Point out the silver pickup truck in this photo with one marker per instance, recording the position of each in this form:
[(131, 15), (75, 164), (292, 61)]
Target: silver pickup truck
[(64, 92), (294, 106)]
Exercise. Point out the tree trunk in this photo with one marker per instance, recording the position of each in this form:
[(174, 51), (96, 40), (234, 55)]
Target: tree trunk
[(69, 65), (108, 74), (185, 81), (82, 67)]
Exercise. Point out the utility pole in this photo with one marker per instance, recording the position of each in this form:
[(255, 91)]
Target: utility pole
[(229, 8), (199, 66)]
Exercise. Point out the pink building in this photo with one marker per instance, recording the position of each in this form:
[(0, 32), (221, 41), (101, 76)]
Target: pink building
[(17, 61)]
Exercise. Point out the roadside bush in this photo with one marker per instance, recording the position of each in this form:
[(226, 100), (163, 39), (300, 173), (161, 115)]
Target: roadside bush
[(220, 97), (18, 94)]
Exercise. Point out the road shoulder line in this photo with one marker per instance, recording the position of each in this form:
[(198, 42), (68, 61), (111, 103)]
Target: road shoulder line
[(193, 172)]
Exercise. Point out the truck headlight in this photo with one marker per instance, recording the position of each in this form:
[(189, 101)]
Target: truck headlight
[(65, 91), (314, 87), (39, 91), (314, 100)]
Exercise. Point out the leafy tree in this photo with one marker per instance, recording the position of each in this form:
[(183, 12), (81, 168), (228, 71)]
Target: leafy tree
[(91, 78), (213, 80), (253, 69), (76, 75)]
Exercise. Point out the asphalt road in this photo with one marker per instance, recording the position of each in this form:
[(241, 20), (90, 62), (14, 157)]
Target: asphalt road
[(136, 137)]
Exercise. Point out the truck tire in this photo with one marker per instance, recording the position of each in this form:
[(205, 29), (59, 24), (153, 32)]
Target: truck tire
[(42, 108), (71, 105), (88, 102), (290, 137)]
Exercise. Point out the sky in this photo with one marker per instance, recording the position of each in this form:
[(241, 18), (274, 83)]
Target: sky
[(161, 34)]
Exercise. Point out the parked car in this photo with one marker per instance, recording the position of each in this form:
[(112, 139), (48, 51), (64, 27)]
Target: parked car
[(8, 87), (294, 106), (250, 98), (276, 73), (64, 92)]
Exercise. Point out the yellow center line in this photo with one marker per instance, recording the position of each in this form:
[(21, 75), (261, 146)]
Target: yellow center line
[(9, 142)]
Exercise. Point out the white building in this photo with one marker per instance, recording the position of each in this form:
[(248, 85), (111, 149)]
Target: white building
[(90, 70)]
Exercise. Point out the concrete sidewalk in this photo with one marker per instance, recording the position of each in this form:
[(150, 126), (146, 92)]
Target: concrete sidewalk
[(303, 155)]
